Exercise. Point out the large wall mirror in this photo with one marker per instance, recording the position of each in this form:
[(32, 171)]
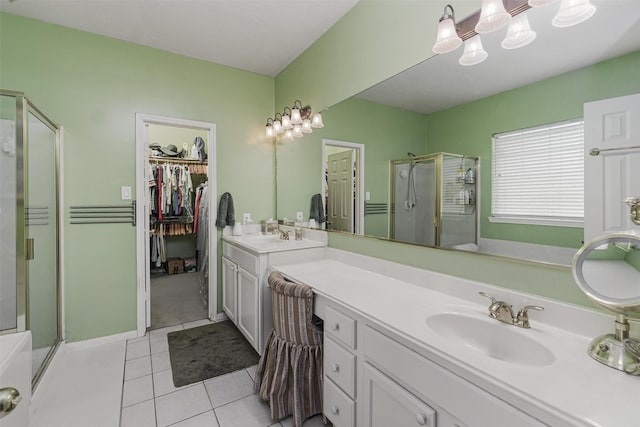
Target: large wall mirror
[(435, 122)]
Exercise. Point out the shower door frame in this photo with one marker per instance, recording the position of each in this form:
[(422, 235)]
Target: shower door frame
[(23, 108)]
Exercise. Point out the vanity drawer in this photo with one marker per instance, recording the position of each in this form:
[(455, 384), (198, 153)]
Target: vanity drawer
[(338, 408), (340, 326), (469, 403), (244, 259), (340, 366)]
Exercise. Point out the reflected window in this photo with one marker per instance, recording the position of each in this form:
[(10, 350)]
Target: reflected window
[(538, 175)]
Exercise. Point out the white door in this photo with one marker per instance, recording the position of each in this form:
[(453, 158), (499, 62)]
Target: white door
[(388, 404), (612, 126), (229, 281), (249, 307), (341, 191)]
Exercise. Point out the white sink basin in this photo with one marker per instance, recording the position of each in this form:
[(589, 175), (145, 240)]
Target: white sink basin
[(491, 338)]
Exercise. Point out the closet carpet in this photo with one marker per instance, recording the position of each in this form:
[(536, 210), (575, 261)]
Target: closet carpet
[(175, 299)]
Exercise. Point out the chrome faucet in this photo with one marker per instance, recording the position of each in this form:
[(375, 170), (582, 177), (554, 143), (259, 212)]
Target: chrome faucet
[(503, 312), (284, 234)]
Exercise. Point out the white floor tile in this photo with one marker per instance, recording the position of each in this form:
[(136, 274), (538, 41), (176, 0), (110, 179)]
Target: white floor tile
[(197, 323), (136, 368), (208, 419), (137, 349), (137, 390), (182, 404), (140, 415), (159, 344), (251, 370), (229, 387), (315, 421), (155, 333), (163, 383), (250, 411), (139, 339), (92, 382), (160, 361)]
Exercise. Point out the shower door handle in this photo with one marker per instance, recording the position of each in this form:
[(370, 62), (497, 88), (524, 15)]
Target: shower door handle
[(28, 249), (9, 399)]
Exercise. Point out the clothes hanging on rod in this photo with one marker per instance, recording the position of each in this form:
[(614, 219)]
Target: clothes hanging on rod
[(170, 193), (201, 228)]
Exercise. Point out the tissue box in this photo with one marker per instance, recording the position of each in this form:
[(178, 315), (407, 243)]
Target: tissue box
[(175, 266)]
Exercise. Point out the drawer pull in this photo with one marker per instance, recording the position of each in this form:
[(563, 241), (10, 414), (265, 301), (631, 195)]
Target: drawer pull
[(335, 367), (421, 419), (335, 410), (336, 327)]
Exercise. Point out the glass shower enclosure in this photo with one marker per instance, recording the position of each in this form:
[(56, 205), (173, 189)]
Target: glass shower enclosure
[(29, 227), (434, 199)]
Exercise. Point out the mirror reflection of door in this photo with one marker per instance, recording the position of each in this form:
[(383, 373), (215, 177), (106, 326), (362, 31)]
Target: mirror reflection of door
[(612, 175), (341, 194)]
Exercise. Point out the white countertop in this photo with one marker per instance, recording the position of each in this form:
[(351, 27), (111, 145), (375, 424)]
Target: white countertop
[(573, 390), (263, 243)]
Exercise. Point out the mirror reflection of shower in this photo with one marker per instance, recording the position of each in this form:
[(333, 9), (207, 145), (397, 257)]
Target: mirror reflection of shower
[(412, 197), (433, 200)]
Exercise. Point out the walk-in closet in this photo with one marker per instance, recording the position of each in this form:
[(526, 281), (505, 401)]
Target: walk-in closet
[(178, 208)]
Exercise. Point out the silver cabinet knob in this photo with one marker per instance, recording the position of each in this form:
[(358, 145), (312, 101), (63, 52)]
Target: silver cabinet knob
[(335, 410), (9, 399), (421, 419), (336, 326), (335, 367)]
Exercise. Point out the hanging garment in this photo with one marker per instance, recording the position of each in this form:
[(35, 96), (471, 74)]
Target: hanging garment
[(225, 211)]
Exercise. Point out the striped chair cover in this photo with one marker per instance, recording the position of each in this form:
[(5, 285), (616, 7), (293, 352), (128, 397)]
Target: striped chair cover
[(289, 374)]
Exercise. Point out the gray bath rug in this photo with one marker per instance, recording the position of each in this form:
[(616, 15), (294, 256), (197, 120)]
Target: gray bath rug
[(204, 352)]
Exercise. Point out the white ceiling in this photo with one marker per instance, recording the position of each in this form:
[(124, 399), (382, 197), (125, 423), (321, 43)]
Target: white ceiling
[(440, 82), (262, 36)]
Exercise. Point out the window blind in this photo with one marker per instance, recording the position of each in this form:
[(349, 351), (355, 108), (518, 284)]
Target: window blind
[(538, 175)]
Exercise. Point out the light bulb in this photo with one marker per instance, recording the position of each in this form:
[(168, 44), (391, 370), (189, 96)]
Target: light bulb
[(286, 121), (316, 121), (573, 12), (306, 126), (297, 131), (295, 116), (493, 16), (520, 33), (269, 131), (474, 53), (288, 135), (448, 39)]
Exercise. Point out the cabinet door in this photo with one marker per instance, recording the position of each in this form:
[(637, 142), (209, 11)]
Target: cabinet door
[(249, 307), (229, 279), (388, 404)]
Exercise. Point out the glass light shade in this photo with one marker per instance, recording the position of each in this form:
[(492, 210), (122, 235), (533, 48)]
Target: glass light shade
[(520, 33), (297, 131), (573, 12), (493, 16), (306, 126), (539, 3), (316, 121), (288, 135), (277, 127), (269, 131), (474, 53), (448, 39), (286, 122), (295, 116)]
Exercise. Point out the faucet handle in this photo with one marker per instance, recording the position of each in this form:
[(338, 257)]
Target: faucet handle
[(484, 294), (522, 319)]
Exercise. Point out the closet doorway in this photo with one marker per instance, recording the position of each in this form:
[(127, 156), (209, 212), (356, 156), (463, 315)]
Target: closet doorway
[(176, 248)]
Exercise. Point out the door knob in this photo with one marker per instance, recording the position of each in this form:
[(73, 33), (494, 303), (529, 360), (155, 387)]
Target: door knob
[(9, 399)]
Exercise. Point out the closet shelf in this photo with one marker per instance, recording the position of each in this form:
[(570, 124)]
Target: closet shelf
[(176, 160), (173, 220)]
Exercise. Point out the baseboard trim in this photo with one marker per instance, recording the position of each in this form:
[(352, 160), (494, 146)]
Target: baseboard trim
[(220, 317)]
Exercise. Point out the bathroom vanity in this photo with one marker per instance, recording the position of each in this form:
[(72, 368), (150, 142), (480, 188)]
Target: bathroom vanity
[(246, 299), (405, 346)]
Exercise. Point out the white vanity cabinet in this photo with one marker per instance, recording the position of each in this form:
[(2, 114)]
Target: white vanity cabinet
[(339, 366), (373, 379), (246, 298)]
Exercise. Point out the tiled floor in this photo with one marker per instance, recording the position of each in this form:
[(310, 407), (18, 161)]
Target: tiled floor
[(150, 399)]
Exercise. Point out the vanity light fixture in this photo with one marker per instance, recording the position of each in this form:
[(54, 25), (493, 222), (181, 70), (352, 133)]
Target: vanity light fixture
[(286, 119), (293, 123), (519, 33), (573, 12), (474, 53), (448, 39), (277, 124), (269, 133), (316, 121), (494, 15)]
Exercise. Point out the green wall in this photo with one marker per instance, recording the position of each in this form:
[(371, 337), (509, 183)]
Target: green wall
[(387, 133), (553, 100), (93, 86)]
